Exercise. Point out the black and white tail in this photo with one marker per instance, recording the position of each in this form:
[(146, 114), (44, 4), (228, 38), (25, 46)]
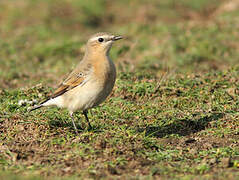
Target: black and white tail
[(38, 106)]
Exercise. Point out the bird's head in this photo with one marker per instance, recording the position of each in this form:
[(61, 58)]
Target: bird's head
[(101, 42)]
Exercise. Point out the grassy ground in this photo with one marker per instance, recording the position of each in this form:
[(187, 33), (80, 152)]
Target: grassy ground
[(174, 110)]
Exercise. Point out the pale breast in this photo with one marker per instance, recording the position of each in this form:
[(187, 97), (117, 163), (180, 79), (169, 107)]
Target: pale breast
[(94, 91), (107, 81)]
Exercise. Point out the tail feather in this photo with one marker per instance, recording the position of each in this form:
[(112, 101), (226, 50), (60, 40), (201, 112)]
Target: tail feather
[(38, 106), (35, 107), (47, 102)]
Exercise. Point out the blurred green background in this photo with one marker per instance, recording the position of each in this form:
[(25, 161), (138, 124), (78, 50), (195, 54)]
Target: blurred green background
[(45, 39), (173, 112)]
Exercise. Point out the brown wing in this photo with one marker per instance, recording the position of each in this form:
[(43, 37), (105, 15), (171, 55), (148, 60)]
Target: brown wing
[(72, 81), (78, 77), (67, 85)]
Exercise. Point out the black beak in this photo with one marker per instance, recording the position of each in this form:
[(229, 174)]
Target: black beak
[(115, 38)]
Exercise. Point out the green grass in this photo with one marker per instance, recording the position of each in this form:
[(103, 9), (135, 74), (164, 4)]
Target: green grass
[(173, 113)]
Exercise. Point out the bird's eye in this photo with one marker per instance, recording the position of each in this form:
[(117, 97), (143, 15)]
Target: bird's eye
[(100, 39)]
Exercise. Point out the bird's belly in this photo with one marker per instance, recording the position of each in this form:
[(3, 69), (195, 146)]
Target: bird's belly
[(87, 96), (106, 92)]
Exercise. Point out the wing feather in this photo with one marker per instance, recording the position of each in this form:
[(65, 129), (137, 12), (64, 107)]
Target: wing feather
[(68, 85), (76, 78)]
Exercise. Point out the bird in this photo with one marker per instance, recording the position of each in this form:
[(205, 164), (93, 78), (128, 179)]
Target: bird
[(90, 83)]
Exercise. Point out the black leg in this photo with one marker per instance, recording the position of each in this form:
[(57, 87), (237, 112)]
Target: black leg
[(86, 117)]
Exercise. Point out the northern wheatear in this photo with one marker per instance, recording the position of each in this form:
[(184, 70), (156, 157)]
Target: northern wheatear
[(91, 82)]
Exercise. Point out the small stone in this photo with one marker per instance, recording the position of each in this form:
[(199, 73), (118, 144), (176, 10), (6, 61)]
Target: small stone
[(226, 162), (67, 169), (20, 127), (231, 92), (193, 151), (204, 161), (208, 145), (21, 102), (213, 161), (34, 101)]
